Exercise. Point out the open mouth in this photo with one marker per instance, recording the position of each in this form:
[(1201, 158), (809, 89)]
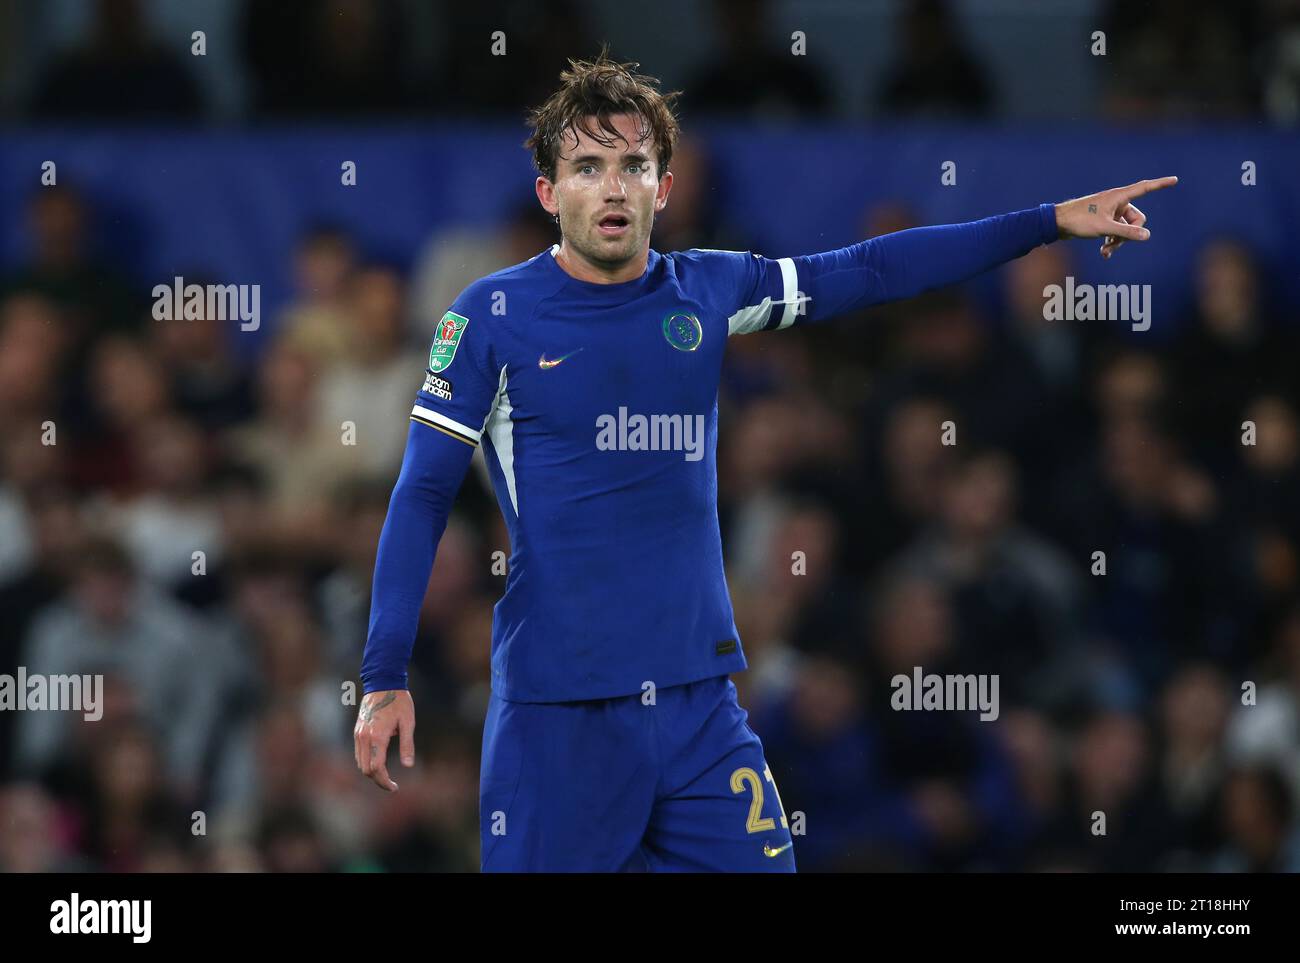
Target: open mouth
[(612, 225)]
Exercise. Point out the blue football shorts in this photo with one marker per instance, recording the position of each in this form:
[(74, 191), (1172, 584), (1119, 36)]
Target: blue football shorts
[(611, 785)]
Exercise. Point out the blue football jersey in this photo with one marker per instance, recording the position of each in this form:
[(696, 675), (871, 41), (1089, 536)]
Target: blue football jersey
[(596, 407)]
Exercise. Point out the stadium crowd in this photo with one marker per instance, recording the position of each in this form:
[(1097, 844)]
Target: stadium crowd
[(368, 59), (1157, 683)]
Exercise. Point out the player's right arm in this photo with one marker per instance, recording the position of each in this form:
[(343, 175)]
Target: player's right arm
[(446, 423)]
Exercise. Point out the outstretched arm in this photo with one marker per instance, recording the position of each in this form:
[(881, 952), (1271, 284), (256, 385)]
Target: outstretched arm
[(778, 293)]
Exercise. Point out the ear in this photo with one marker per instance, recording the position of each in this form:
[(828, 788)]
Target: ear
[(546, 195), (661, 195)]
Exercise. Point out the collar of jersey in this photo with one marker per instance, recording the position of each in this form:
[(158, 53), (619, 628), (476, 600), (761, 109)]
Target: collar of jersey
[(619, 290)]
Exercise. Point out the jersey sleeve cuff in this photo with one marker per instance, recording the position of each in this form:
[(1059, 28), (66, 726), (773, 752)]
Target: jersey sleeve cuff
[(383, 683), (1047, 215)]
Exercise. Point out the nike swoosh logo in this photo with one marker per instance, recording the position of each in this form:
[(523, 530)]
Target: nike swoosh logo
[(769, 851), (544, 364)]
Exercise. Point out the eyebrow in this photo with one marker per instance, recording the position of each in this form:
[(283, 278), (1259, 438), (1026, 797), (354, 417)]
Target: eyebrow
[(590, 158)]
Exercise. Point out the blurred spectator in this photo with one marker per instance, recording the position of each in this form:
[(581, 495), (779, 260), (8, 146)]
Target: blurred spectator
[(373, 389), (289, 672), (1194, 713), (34, 347), (63, 266), (752, 74), (514, 60), (1016, 595), (781, 447), (1262, 520), (1232, 353), (1259, 821), (326, 57), (52, 531), (1035, 747), (435, 828), (132, 390), (1064, 356), (1179, 58), (905, 473), (467, 683), (956, 774), (827, 759), (455, 257), (949, 354), (317, 322), (1282, 73), (131, 818), (692, 218), (205, 381), (1113, 818), (1265, 729), (765, 624), (1164, 587), (111, 622), (293, 843), (936, 75), (33, 836), (459, 568), (343, 596), (805, 573), (277, 766), (174, 514), (301, 457), (120, 72)]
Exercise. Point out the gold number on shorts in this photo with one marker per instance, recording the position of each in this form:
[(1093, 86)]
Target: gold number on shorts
[(755, 823)]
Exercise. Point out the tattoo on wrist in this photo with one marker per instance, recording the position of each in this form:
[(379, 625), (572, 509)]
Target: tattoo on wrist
[(368, 711)]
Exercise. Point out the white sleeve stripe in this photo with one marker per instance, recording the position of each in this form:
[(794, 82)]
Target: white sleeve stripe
[(440, 419), (790, 283), (749, 319)]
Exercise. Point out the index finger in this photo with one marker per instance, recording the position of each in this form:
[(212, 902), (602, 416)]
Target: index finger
[(379, 761), (1147, 186)]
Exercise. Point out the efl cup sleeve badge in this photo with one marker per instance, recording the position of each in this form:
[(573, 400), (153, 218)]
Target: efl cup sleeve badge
[(445, 341)]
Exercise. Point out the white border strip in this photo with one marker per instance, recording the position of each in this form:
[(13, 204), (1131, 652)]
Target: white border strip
[(440, 419), (790, 281)]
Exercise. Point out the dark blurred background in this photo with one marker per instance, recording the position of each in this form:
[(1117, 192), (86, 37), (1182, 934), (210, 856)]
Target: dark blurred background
[(1120, 692)]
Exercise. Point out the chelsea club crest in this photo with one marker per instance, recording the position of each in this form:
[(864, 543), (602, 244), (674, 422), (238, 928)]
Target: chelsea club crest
[(683, 331)]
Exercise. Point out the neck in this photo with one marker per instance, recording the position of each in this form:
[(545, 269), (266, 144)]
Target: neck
[(583, 269)]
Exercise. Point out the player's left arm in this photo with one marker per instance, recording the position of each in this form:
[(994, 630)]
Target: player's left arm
[(778, 293)]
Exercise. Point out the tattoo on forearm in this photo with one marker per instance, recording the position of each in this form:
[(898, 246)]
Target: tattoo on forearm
[(1092, 208), (368, 711)]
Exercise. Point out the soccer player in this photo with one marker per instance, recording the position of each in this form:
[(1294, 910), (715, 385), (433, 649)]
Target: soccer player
[(589, 375)]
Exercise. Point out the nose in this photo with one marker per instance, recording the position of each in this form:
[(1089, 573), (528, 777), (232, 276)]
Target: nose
[(615, 189)]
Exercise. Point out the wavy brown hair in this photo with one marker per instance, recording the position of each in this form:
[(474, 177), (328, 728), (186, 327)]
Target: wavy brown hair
[(601, 88)]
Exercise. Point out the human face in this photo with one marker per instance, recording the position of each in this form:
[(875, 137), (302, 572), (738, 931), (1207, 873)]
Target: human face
[(606, 197)]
